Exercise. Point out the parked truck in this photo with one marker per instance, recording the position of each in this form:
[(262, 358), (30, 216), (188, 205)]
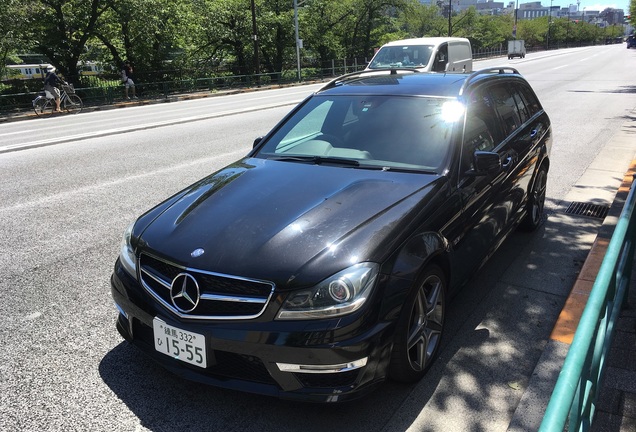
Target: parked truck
[(516, 48)]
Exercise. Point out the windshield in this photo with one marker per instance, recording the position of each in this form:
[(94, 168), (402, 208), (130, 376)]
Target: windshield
[(402, 56), (382, 132)]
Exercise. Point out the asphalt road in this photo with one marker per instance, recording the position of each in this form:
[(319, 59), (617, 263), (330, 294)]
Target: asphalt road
[(70, 185)]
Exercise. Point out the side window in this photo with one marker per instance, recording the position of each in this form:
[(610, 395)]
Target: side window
[(506, 107), (524, 114), (441, 59), (480, 130), (530, 100)]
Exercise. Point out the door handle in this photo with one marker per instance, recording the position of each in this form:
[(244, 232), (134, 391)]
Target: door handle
[(507, 163)]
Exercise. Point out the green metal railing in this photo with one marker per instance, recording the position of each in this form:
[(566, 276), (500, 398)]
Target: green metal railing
[(575, 394)]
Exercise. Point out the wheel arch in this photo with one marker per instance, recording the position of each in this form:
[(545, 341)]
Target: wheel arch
[(409, 263)]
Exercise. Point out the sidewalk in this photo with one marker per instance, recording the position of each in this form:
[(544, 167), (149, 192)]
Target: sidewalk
[(616, 407), (616, 410)]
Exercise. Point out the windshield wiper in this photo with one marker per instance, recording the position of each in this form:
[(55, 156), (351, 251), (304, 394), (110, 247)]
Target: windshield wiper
[(318, 160), (398, 169)]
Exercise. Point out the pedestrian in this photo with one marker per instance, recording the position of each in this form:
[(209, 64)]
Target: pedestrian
[(126, 79), (51, 81)]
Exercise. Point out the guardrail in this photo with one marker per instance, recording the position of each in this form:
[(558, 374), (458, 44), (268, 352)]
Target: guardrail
[(107, 95), (575, 394)]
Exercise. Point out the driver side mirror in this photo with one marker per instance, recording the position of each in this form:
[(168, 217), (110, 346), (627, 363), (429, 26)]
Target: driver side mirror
[(257, 141), (487, 162)]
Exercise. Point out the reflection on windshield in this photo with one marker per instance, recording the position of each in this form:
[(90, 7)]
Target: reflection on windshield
[(402, 56), (394, 132)]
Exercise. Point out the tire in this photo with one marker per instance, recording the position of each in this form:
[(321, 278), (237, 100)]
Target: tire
[(43, 106), (73, 104), (536, 202), (420, 327)]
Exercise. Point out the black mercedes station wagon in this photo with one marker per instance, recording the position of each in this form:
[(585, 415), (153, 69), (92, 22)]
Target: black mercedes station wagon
[(322, 262)]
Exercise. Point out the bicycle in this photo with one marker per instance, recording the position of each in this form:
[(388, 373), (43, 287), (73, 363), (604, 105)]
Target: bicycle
[(44, 104)]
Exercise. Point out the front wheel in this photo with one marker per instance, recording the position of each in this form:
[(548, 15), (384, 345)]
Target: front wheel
[(42, 106), (73, 104), (536, 202), (420, 327)]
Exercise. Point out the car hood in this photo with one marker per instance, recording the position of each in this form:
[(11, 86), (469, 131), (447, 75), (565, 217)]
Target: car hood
[(277, 220)]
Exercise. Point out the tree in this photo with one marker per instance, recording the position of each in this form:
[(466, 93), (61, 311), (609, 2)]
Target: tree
[(13, 19), (422, 20), (222, 33), (148, 33), (60, 29), (276, 34)]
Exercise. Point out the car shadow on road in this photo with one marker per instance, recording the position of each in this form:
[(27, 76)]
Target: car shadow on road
[(496, 329), (164, 402)]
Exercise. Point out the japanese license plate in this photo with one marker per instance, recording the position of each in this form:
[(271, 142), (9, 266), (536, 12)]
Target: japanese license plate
[(182, 345)]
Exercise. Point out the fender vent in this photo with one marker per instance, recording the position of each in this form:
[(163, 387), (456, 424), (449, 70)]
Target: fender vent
[(588, 210)]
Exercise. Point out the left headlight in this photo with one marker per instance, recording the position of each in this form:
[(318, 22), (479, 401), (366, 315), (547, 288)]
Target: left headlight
[(338, 295), (127, 254)]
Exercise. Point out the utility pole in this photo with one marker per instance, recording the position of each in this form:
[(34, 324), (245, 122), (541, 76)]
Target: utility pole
[(297, 39), (514, 29), (257, 63), (450, 9), (549, 25)]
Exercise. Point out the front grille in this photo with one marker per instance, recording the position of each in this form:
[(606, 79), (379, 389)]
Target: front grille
[(220, 296)]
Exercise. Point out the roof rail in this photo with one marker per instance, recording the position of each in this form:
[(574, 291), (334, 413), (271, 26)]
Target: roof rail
[(497, 70), (350, 76)]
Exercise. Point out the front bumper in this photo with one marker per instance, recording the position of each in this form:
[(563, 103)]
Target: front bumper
[(315, 361)]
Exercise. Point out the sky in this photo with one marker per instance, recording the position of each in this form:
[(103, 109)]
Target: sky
[(595, 5)]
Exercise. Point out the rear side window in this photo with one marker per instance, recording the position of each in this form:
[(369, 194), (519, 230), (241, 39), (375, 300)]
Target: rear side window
[(529, 99)]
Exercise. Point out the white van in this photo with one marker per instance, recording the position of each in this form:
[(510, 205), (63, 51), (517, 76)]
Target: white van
[(430, 54)]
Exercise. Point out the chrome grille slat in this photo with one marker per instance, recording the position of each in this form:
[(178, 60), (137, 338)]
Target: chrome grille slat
[(222, 297), (156, 278), (215, 297)]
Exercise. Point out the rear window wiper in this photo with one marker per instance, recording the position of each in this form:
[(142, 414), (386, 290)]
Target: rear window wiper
[(318, 160)]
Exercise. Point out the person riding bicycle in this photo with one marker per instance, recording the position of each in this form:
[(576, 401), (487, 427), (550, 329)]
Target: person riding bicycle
[(51, 81)]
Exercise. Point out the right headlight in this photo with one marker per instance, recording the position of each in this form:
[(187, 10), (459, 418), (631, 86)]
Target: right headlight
[(127, 254), (338, 295)]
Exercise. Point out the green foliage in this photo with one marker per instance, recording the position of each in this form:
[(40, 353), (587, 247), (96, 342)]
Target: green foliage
[(173, 39), (13, 18)]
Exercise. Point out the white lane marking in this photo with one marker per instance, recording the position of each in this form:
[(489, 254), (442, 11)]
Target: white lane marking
[(110, 183), (18, 132), (106, 132)]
